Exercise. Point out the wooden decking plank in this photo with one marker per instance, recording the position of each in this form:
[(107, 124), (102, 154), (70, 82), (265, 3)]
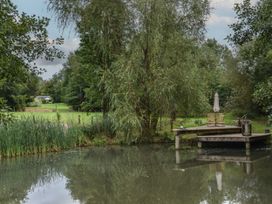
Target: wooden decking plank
[(233, 138), (219, 158), (206, 128)]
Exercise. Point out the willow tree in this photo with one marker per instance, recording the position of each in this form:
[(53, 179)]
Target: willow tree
[(158, 74), (103, 27)]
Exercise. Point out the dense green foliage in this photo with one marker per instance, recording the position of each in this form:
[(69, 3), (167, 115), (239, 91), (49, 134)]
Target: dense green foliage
[(5, 116), (103, 28), (23, 39), (52, 87), (252, 39), (216, 63)]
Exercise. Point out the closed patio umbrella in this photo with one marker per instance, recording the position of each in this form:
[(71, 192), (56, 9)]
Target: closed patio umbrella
[(216, 107)]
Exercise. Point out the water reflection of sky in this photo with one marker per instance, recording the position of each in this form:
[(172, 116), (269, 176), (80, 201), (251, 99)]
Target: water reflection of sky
[(51, 192)]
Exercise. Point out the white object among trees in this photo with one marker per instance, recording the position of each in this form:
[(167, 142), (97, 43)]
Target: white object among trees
[(216, 107)]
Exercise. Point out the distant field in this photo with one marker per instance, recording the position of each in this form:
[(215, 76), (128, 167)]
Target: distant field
[(50, 112)]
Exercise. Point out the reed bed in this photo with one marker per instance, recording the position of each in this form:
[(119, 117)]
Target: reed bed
[(100, 127), (36, 135)]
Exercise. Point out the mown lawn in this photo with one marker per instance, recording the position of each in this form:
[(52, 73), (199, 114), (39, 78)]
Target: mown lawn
[(258, 124), (51, 112)]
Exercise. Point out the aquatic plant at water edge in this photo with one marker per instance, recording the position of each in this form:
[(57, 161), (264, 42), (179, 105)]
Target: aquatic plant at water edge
[(32, 135), (5, 116), (100, 126)]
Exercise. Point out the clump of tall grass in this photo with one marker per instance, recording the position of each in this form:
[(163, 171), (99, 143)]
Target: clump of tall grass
[(36, 135), (100, 127)]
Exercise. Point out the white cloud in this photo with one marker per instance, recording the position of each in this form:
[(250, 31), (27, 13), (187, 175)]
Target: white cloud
[(227, 4), (70, 45), (50, 70), (215, 19), (222, 11)]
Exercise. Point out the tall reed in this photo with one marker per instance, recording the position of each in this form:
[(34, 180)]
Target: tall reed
[(99, 127), (36, 135)]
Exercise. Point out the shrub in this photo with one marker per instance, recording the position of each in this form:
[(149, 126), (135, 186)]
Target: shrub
[(99, 141), (100, 127), (5, 116)]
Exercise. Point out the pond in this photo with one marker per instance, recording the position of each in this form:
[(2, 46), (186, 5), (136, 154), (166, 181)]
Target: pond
[(146, 174)]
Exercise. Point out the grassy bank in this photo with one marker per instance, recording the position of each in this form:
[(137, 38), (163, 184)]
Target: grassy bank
[(59, 129)]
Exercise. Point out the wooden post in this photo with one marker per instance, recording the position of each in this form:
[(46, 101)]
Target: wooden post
[(177, 145), (248, 167), (248, 152), (199, 144), (177, 157), (267, 141), (247, 145), (79, 121)]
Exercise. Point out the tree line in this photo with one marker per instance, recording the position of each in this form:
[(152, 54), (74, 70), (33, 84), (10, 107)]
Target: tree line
[(140, 60)]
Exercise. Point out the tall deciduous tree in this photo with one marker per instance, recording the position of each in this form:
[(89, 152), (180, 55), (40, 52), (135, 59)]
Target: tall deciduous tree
[(216, 62), (158, 74), (23, 39), (103, 28), (252, 38)]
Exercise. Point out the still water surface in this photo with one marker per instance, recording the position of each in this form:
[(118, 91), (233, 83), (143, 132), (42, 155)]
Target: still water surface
[(147, 174)]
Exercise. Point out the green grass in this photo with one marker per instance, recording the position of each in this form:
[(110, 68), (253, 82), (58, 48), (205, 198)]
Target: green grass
[(69, 116), (65, 117), (61, 107), (50, 107), (258, 125), (50, 112)]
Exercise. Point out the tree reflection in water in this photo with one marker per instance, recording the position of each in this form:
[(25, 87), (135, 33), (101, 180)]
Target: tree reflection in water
[(134, 175), (146, 174)]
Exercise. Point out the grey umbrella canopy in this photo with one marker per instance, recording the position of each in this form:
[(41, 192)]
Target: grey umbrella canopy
[(216, 107)]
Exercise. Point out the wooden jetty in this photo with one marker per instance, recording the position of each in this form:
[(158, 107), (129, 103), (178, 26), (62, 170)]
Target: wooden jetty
[(207, 134)]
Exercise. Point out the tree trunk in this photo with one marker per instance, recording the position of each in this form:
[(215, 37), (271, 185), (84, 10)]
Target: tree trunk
[(105, 106), (145, 130), (154, 123)]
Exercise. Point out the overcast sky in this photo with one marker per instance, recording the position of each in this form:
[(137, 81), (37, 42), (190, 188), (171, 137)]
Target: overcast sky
[(217, 27)]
